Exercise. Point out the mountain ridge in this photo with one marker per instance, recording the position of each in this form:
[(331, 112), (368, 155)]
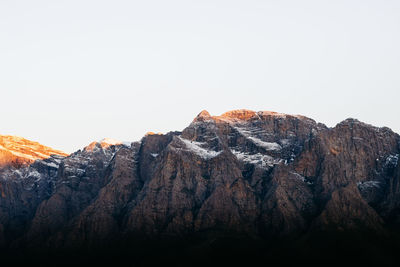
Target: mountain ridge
[(18, 151), (259, 178)]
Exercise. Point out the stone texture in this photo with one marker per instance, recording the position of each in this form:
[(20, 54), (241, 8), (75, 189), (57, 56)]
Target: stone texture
[(263, 175)]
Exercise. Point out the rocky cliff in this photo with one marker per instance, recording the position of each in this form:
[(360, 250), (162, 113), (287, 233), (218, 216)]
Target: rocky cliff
[(262, 184)]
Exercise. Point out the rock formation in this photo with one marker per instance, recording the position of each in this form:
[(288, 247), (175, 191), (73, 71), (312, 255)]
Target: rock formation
[(272, 181)]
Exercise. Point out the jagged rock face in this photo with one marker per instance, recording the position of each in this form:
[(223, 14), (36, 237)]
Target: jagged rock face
[(103, 217), (348, 167), (261, 174), (27, 171), (79, 179)]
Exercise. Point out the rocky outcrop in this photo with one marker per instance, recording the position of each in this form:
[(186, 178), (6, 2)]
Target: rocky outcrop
[(79, 179), (16, 151), (265, 176), (27, 175)]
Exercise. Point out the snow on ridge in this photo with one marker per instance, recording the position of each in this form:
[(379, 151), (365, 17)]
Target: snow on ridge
[(270, 146), (110, 141), (50, 164), (127, 143), (265, 161), (113, 142), (198, 150)]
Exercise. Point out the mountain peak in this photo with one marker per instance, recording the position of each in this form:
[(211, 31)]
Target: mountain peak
[(240, 114), (109, 141), (104, 143), (18, 151), (204, 115), (237, 114)]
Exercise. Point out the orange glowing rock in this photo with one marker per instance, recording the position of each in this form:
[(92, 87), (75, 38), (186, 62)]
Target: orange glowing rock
[(18, 151), (152, 133), (240, 114)]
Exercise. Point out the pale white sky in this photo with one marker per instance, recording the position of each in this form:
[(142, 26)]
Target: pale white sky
[(76, 71)]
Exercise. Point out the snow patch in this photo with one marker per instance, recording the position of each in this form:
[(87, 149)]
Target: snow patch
[(126, 143), (50, 164), (18, 172), (195, 147), (33, 173), (264, 161), (270, 146), (110, 141), (267, 145)]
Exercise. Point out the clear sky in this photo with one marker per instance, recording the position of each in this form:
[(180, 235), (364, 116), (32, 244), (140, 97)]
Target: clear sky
[(75, 71)]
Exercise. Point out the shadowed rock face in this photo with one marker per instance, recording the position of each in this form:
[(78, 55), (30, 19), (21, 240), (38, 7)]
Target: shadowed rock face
[(262, 175), (27, 169)]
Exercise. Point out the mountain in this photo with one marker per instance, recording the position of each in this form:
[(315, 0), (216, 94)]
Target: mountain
[(242, 186), (16, 151), (27, 169)]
